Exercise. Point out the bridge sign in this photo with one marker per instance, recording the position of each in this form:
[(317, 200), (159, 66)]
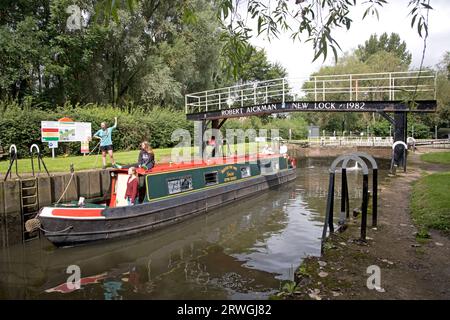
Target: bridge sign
[(307, 106)]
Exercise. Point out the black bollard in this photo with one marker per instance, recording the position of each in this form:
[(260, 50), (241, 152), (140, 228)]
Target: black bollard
[(330, 203), (347, 200), (344, 208), (329, 209), (32, 162), (405, 151), (364, 206), (375, 197)]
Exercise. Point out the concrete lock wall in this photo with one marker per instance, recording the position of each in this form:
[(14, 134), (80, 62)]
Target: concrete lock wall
[(2, 218), (12, 215), (317, 152), (89, 184)]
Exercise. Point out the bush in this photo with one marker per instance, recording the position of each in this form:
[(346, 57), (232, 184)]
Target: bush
[(381, 128), (421, 131), (21, 126), (443, 133), (296, 123)]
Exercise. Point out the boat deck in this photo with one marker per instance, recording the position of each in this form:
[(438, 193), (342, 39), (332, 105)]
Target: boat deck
[(198, 163)]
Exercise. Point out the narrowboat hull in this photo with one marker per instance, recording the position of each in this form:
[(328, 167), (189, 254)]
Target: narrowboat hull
[(112, 223)]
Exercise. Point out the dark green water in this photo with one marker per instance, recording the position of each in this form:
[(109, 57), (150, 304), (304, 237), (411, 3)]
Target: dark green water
[(241, 251)]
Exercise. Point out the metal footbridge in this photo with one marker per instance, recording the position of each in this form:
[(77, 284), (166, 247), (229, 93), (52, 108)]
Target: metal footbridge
[(390, 92), (370, 92)]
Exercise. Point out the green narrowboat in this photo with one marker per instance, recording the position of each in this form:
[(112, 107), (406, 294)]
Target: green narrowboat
[(168, 193)]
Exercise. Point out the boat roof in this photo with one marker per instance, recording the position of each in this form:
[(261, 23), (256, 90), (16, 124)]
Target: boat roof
[(198, 163)]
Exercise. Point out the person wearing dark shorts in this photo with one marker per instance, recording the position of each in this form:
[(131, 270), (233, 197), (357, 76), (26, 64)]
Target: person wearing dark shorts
[(105, 136)]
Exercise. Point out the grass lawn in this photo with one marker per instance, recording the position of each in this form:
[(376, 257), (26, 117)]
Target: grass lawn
[(430, 204), (62, 164), (436, 157)]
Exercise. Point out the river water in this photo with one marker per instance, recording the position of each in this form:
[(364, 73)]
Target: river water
[(244, 250)]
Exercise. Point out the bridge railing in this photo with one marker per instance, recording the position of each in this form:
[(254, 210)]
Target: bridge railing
[(389, 86)]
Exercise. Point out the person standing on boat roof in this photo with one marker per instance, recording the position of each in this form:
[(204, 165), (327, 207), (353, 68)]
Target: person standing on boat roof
[(267, 149), (105, 136), (283, 149), (131, 194), (212, 142), (146, 157)]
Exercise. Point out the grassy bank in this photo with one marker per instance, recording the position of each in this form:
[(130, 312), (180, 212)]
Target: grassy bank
[(94, 161), (62, 164), (430, 204), (436, 157)]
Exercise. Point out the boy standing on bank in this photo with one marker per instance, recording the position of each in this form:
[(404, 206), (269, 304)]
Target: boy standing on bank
[(105, 136)]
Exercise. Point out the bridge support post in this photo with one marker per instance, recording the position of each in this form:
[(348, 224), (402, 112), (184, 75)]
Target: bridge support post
[(400, 134), (215, 124), (400, 126), (199, 130)]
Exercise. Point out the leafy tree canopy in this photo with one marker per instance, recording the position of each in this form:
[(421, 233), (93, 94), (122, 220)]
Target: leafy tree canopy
[(388, 43), (310, 21), (143, 52)]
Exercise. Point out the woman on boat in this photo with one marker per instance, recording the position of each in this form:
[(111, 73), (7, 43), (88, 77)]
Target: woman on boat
[(131, 194), (146, 157)]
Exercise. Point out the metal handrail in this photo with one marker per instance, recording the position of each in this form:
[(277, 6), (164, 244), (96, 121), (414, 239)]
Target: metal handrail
[(319, 88), (12, 160), (39, 158)]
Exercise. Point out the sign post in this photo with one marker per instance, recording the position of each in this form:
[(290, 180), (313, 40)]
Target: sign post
[(84, 147), (53, 145)]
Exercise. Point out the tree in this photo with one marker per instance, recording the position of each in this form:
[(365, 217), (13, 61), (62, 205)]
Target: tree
[(387, 43), (380, 61), (259, 68), (312, 21), (148, 55), (442, 116), (383, 61), (21, 51)]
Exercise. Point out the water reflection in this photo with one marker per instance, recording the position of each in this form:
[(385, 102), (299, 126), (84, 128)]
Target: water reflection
[(243, 250)]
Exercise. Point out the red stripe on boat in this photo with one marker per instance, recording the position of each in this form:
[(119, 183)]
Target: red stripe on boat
[(77, 212)]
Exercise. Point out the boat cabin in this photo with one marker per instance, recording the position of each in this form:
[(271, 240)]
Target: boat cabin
[(169, 180)]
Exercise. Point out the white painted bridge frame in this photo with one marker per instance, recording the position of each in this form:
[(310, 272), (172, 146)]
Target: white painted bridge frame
[(387, 86)]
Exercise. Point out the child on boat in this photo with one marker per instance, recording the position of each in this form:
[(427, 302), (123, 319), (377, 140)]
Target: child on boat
[(131, 194)]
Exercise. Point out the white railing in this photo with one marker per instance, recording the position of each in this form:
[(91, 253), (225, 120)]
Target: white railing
[(351, 141), (387, 86)]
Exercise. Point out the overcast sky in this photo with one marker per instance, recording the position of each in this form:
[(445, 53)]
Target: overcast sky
[(297, 57)]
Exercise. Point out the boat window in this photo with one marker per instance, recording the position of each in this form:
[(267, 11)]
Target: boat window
[(179, 184), (211, 178), (245, 172)]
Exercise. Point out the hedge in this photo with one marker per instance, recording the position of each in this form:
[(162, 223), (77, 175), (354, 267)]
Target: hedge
[(21, 126)]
